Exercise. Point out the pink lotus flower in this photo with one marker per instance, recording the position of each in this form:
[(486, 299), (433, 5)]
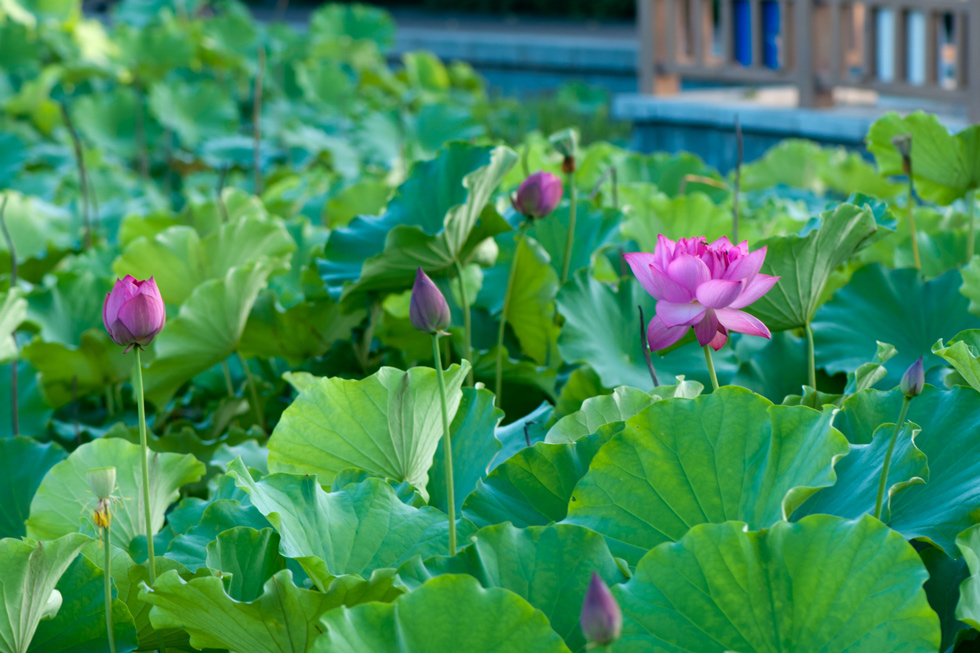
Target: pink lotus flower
[(133, 312), (538, 195), (704, 286)]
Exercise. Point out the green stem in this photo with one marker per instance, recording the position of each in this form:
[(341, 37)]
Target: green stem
[(810, 357), (915, 241), (109, 403), (467, 326), (228, 384), (883, 481), (570, 239), (108, 590), (499, 379), (138, 381), (447, 446), (711, 366), (253, 391), (969, 244)]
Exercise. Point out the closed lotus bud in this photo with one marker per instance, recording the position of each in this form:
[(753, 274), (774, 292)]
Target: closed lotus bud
[(102, 480), (602, 620), (538, 195), (133, 312), (913, 380), (428, 310), (903, 143)]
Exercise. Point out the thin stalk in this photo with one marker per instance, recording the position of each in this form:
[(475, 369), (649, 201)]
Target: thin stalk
[(570, 240), (14, 406), (109, 407), (447, 446), (811, 364), (883, 481), (138, 383), (711, 367), (108, 590), (253, 391), (82, 175), (363, 350), (228, 384), (499, 378), (467, 324), (969, 244), (738, 178), (524, 165), (645, 346), (915, 241), (614, 177), (257, 123), (74, 409)]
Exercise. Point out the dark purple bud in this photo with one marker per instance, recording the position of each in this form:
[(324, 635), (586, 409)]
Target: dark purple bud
[(538, 195), (913, 380), (602, 620), (133, 312), (428, 310)]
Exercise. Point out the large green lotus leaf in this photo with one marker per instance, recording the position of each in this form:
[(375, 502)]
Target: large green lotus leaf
[(27, 585), (23, 463), (14, 150), (388, 424), (448, 613), (531, 309), (971, 284), (13, 311), (190, 548), (475, 445), (728, 455), (595, 230), (548, 566), (355, 530), (534, 486), (427, 223), (893, 306), (282, 620), (822, 584), (968, 608), (962, 353), (250, 556), (858, 474), (67, 372), (947, 504), (36, 227), (206, 331), (64, 501), (108, 120), (943, 591), (944, 166), (193, 110), (299, 333), (69, 304), (652, 214), (670, 173), (805, 264), (80, 625), (353, 21), (179, 260)]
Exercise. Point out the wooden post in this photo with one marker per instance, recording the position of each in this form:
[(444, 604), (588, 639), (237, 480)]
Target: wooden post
[(812, 51), (645, 52)]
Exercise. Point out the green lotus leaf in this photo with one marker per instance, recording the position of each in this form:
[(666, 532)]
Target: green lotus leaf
[(448, 613), (894, 306), (388, 424), (822, 584), (25, 461), (190, 548), (64, 502), (728, 455), (108, 120), (13, 311), (250, 556), (971, 284), (805, 264), (80, 625), (355, 530), (968, 608), (353, 21), (652, 214), (475, 445), (67, 305), (943, 591), (962, 354), (27, 585), (67, 372), (206, 330), (193, 110), (548, 566), (595, 231)]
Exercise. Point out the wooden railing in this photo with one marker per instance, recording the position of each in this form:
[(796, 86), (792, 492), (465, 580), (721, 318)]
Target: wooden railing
[(915, 48)]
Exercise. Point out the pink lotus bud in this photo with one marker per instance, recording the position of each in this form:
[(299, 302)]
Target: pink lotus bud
[(133, 313), (428, 309), (602, 620), (538, 195), (913, 380)]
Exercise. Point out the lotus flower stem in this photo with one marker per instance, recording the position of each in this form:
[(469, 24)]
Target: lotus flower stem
[(811, 366), (467, 325), (570, 239), (711, 366), (228, 384), (969, 243), (110, 408), (108, 588), (144, 463), (645, 346), (883, 481), (915, 241), (447, 446), (499, 378), (82, 176), (253, 391)]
